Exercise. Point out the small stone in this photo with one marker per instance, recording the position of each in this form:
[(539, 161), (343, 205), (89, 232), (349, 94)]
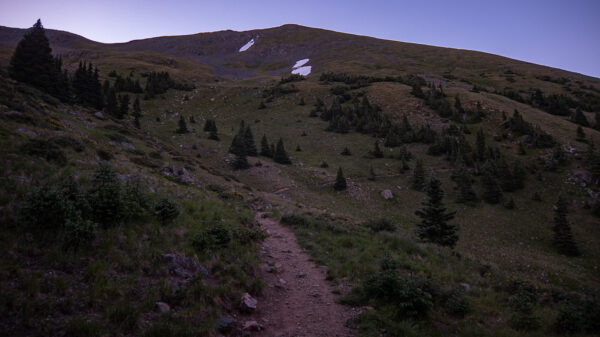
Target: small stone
[(466, 286), (162, 307), (252, 326), (387, 194), (225, 324), (248, 303)]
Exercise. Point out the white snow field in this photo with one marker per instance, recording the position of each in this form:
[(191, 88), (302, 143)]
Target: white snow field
[(302, 70), (300, 63), (247, 45)]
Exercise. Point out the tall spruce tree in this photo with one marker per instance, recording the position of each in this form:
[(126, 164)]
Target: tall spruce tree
[(182, 126), (241, 160), (377, 153), (280, 156), (481, 147), (112, 104), (579, 118), (464, 184), (434, 226), (265, 149), (340, 181), (418, 182), (563, 237), (123, 106), (32, 61), (249, 142)]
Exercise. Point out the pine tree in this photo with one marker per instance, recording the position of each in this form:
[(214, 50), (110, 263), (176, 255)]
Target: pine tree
[(510, 204), (418, 182), (346, 152), (280, 156), (123, 106), (249, 143), (519, 174), (112, 105), (377, 153), (579, 118), (265, 150), (404, 165), (32, 61), (136, 122), (597, 120), (434, 226), (298, 149), (492, 193), (563, 238), (213, 135), (241, 160), (301, 101), (137, 110), (522, 150), (464, 184), (340, 181), (481, 146), (182, 126), (262, 105), (371, 175), (580, 134)]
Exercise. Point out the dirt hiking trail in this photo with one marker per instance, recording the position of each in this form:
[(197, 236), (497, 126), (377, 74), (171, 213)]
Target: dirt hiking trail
[(297, 300)]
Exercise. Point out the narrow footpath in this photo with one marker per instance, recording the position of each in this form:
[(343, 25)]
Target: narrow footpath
[(297, 300)]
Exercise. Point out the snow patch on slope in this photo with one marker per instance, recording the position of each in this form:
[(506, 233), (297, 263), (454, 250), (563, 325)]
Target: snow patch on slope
[(247, 45), (302, 70), (300, 63)]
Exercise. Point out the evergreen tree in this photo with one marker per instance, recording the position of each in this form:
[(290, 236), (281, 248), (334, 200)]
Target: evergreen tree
[(112, 105), (464, 184), (241, 160), (166, 211), (505, 176), (182, 126), (518, 174), (262, 105), (213, 135), (32, 61), (301, 101), (404, 165), (346, 152), (522, 150), (340, 181), (265, 150), (208, 125), (434, 226), (107, 196), (137, 110), (123, 106), (371, 175), (480, 142), (579, 118), (377, 153), (298, 149), (324, 164), (580, 134), (280, 156), (418, 182), (597, 120), (136, 121), (249, 143), (492, 193), (563, 238), (510, 204)]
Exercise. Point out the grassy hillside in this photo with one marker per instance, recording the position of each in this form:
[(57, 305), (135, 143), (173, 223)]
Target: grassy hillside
[(111, 286)]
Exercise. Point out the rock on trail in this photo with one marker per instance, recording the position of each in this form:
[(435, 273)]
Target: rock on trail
[(297, 301)]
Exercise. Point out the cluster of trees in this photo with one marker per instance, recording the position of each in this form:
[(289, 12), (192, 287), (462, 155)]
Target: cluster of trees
[(243, 145), (361, 117), (210, 126), (70, 214), (33, 63), (158, 83), (537, 137), (127, 84)]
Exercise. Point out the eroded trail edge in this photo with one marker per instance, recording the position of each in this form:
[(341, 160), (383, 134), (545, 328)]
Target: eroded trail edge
[(297, 300)]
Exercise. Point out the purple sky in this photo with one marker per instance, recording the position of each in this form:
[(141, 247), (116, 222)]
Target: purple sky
[(563, 34)]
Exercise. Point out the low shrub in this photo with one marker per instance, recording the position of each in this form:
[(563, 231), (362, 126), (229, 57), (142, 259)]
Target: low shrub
[(379, 225), (295, 220), (166, 211), (45, 149)]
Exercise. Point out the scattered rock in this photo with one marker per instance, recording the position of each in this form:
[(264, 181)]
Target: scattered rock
[(162, 307), (27, 132), (99, 115), (181, 174), (466, 286), (248, 303), (127, 146), (387, 194), (252, 326), (183, 266), (225, 324)]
